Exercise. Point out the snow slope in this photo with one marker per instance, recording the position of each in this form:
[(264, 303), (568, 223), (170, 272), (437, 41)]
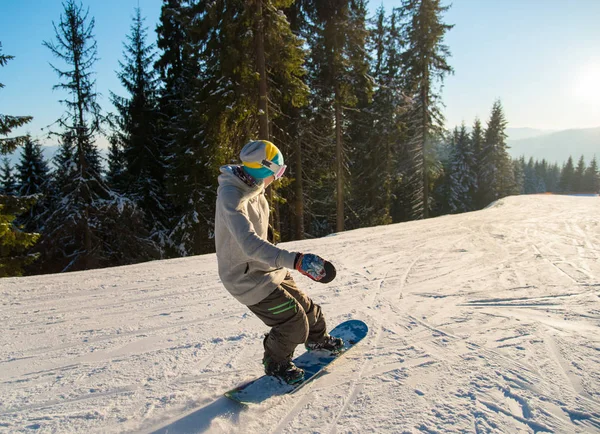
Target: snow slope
[(481, 322)]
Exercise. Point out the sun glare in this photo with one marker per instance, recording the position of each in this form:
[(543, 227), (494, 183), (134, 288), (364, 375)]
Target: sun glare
[(587, 83)]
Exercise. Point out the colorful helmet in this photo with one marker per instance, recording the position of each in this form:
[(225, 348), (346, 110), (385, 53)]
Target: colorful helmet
[(262, 159)]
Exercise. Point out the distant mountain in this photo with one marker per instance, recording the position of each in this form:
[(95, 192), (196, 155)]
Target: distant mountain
[(556, 147), (526, 133)]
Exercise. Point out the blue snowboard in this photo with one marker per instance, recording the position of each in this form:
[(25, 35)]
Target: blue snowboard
[(313, 363)]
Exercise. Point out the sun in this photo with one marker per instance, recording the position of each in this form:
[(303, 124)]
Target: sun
[(586, 84)]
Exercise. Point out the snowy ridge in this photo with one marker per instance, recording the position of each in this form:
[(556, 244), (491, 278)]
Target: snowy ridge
[(479, 322)]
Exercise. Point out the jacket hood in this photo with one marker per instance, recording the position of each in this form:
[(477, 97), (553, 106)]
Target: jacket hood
[(228, 178)]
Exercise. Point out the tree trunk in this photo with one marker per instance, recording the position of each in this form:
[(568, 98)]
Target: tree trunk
[(339, 155), (425, 126), (263, 115), (263, 108), (298, 191)]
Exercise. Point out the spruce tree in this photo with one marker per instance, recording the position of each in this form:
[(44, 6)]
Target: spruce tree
[(426, 65), (578, 176), (14, 242), (567, 177), (552, 179), (518, 176), (89, 226), (541, 171), (477, 141), (496, 177), (181, 125), (142, 151), (32, 171), (33, 180), (375, 148), (226, 99), (7, 179), (334, 63), (463, 180), (116, 173), (591, 178), (531, 179)]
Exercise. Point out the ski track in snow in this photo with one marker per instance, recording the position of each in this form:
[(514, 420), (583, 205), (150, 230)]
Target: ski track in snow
[(482, 322)]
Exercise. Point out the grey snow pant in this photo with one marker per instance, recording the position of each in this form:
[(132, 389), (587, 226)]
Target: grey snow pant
[(294, 319)]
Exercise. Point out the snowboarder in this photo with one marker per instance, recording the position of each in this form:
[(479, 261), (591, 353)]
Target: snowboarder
[(256, 272)]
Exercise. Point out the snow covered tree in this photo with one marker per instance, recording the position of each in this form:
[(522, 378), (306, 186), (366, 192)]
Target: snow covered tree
[(567, 176), (32, 170), (552, 178), (14, 242), (531, 180), (8, 122), (335, 36), (7, 179), (463, 179), (181, 124), (496, 176), (519, 175), (578, 176), (374, 150), (425, 64), (142, 152), (89, 225), (65, 164), (33, 180), (541, 172), (224, 106), (115, 173), (591, 178)]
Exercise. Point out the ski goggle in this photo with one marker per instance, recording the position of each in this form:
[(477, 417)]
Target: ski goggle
[(277, 170)]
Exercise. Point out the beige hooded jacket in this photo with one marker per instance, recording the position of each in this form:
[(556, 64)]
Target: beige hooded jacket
[(249, 266)]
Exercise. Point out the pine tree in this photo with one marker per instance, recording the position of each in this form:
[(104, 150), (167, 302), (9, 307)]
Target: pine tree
[(496, 177), (15, 243), (142, 152), (591, 178), (463, 180), (531, 179), (425, 63), (335, 36), (182, 130), (34, 180), (541, 172), (32, 170), (567, 176), (477, 141), (116, 172), (552, 179), (7, 179), (225, 104), (65, 164), (91, 226), (374, 149), (519, 176), (578, 176), (8, 122)]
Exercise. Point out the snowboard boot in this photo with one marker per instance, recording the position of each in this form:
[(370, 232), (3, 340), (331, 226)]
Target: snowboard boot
[(328, 343), (285, 370)]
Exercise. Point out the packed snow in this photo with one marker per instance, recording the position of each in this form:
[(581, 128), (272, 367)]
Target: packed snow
[(480, 322)]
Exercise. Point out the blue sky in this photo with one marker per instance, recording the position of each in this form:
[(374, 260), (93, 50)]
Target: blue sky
[(540, 57)]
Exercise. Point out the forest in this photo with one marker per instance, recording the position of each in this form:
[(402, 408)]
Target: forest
[(353, 101)]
